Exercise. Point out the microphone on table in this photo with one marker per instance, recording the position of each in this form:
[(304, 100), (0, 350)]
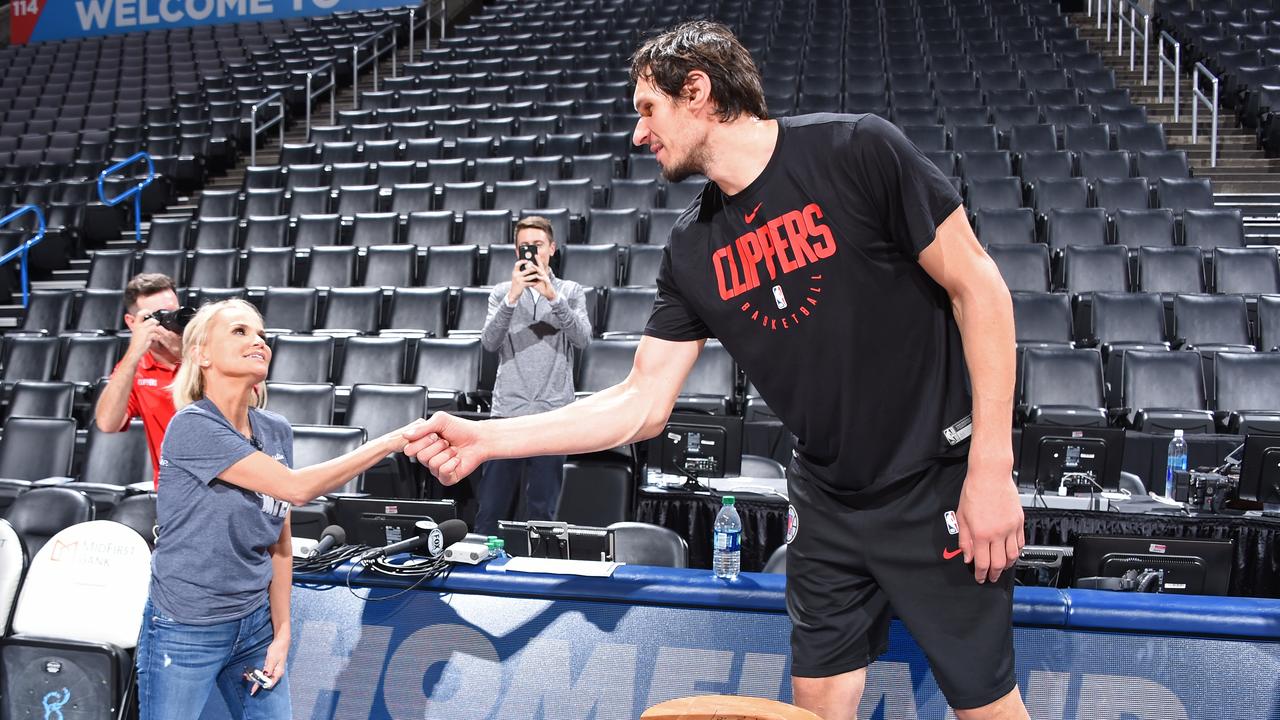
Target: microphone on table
[(435, 538), (333, 536)]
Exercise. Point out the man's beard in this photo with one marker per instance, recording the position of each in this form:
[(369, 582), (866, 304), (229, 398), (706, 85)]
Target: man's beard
[(694, 163)]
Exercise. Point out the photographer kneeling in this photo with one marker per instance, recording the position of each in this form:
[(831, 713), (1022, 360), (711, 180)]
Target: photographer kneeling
[(220, 578)]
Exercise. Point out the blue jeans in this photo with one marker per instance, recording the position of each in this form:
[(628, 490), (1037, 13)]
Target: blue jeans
[(179, 665), (503, 481)]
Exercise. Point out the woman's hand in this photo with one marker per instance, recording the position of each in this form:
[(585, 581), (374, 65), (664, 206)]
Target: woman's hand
[(274, 666)]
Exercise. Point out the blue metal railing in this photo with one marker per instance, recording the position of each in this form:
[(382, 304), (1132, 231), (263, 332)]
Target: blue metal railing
[(134, 192), (20, 252)]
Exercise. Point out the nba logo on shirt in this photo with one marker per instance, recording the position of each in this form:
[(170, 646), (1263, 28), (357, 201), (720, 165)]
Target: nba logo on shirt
[(779, 298), (952, 526)]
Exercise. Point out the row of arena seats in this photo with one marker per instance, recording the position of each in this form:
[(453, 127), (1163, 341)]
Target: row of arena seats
[(1156, 227), (601, 265), (603, 169), (1020, 136), (1115, 268), (996, 192), (430, 312)]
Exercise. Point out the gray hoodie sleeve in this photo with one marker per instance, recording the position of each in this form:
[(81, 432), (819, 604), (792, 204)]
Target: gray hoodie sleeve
[(497, 320), (569, 313)]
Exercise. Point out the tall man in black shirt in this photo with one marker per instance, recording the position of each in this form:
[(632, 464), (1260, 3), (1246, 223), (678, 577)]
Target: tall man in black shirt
[(837, 266)]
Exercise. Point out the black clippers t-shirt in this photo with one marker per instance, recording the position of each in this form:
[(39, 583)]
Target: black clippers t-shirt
[(810, 278)]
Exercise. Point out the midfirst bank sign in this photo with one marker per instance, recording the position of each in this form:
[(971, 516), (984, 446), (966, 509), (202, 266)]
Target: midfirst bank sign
[(39, 20), (458, 656)]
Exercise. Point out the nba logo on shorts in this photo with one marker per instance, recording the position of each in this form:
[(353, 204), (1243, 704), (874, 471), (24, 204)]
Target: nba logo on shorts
[(793, 523), (952, 526), (779, 298)]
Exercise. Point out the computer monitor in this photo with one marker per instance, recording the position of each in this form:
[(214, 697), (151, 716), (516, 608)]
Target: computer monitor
[(704, 446), (555, 540), (1260, 470), (1190, 567), (378, 522), (1086, 457)]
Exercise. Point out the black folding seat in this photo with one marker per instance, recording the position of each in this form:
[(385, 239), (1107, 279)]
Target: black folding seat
[(375, 228), (613, 226), (1170, 270), (1114, 194), (1163, 391), (409, 198), (627, 311), (515, 195), (978, 164), (351, 311), (165, 262), (1023, 267), (302, 404), (446, 170), (903, 116), (423, 149), (327, 133), (1093, 79), (286, 309), (473, 304), (214, 268), (32, 449), (1028, 138), (1086, 138), (1268, 322), (1041, 80), (219, 203), (449, 368), (427, 229), (391, 173), (380, 409), (486, 227), (968, 138), (301, 359), (1000, 80), (462, 196), (268, 267), (48, 312), (1211, 323), (1062, 194), (944, 160), (309, 201), (993, 193), (216, 233), (453, 266), (1062, 386), (1246, 271), (168, 233), (659, 225), (599, 168), (1012, 226), (709, 387), (41, 513), (1096, 164), (1207, 229), (1144, 228), (1075, 226), (678, 196), (590, 265), (1247, 392), (1042, 165), (384, 152), (262, 201), (574, 195), (1117, 110), (927, 137), (357, 199), (1066, 116), (117, 459), (605, 363), (1122, 320), (1093, 269), (642, 265), (418, 311), (263, 177), (1179, 194), (332, 267), (86, 359), (306, 176), (1155, 164), (34, 398), (299, 153), (1042, 319), (1136, 137)]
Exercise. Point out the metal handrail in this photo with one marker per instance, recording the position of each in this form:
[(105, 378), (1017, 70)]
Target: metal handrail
[(1197, 98), (425, 25), (1109, 4), (1176, 66), (374, 55), (317, 92), (1134, 34), (134, 192), (22, 250), (254, 128)]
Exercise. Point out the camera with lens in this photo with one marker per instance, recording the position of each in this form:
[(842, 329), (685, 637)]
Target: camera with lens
[(174, 320), (1204, 490)]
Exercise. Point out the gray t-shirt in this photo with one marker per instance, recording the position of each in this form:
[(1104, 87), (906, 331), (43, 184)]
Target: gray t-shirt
[(213, 560)]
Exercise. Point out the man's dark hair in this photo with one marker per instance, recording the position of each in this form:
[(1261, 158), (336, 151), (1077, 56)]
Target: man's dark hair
[(143, 285), (667, 59)]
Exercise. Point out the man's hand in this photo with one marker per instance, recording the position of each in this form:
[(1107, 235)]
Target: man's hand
[(449, 447), (145, 333), (523, 275), (990, 519)]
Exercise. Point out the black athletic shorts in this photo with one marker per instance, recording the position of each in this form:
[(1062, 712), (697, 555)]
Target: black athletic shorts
[(849, 568)]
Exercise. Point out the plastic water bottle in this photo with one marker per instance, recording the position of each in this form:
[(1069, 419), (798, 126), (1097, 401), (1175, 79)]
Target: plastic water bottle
[(1177, 461), (726, 541)]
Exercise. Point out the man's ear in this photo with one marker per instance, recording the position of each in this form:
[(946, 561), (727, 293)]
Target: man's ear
[(129, 319), (697, 90)]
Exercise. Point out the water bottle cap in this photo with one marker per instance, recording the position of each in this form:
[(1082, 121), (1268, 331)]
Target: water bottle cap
[(727, 500), (1177, 432), (500, 543)]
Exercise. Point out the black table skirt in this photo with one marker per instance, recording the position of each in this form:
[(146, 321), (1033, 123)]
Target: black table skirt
[(764, 523)]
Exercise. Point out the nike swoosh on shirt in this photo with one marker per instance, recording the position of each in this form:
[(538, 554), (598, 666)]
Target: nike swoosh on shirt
[(948, 554), (752, 215)]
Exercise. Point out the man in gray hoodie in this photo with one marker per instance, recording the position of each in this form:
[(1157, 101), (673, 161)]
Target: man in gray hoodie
[(534, 324)]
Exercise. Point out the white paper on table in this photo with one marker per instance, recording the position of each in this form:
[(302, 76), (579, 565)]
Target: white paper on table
[(556, 566)]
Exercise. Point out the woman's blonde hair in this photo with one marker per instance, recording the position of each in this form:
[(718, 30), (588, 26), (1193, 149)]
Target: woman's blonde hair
[(188, 384)]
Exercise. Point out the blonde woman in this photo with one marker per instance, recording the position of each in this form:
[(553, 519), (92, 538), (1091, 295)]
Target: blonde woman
[(221, 573)]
